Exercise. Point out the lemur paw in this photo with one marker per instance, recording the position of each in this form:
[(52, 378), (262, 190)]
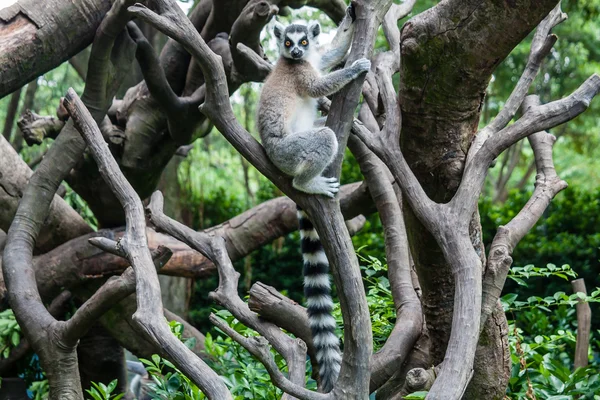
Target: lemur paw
[(361, 65), (319, 185), (328, 186)]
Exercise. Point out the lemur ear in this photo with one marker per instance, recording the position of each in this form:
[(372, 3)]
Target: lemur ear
[(278, 29), (314, 30)]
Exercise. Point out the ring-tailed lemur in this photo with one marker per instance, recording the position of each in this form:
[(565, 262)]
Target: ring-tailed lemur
[(286, 114)]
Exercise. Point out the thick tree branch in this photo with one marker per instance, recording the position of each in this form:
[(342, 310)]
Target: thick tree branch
[(63, 223), (30, 43), (148, 316), (409, 316)]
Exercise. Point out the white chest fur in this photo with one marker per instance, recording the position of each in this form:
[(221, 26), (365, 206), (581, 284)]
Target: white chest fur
[(304, 115)]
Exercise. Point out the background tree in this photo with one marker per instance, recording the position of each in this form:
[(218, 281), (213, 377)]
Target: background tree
[(424, 184)]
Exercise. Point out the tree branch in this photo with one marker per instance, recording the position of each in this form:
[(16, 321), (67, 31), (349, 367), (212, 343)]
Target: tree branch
[(148, 316), (547, 185), (213, 247), (535, 119), (35, 128), (542, 43)]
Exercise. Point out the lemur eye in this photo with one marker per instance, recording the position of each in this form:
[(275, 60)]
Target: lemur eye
[(304, 42), (288, 43)]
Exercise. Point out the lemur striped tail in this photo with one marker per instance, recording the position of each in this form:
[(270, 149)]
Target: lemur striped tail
[(317, 291)]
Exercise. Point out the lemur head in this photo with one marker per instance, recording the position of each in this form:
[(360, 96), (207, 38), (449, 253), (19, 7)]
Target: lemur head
[(295, 40)]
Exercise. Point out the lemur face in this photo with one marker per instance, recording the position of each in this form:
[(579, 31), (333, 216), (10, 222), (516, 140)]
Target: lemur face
[(295, 40)]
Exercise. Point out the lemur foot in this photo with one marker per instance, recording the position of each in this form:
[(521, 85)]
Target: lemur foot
[(319, 185)]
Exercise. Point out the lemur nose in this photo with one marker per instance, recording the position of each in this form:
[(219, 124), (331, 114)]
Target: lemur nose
[(296, 53)]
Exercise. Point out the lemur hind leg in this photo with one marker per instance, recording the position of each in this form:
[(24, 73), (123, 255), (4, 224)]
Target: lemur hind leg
[(306, 155)]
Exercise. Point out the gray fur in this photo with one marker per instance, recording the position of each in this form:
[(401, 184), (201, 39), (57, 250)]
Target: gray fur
[(286, 120), (286, 110)]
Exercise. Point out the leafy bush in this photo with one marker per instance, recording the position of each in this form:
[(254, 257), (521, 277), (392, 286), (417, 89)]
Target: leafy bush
[(542, 368), (379, 299), (567, 233), (10, 332), (542, 341), (244, 376), (100, 391), (39, 390)]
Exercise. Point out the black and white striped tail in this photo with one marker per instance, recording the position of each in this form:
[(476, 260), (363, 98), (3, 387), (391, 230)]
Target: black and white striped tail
[(317, 291)]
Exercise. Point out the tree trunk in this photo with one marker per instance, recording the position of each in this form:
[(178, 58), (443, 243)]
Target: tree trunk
[(448, 55)]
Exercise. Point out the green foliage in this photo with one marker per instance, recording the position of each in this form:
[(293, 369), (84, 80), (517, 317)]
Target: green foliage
[(39, 390), (542, 342), (10, 332), (244, 376), (100, 391), (542, 367), (518, 274), (169, 382), (510, 302), (416, 395), (379, 299), (567, 233)]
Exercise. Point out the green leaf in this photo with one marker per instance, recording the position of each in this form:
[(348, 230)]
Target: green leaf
[(156, 359), (15, 338), (112, 385)]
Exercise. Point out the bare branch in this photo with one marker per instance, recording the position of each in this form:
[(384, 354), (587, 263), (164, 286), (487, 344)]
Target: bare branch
[(409, 316), (541, 45), (547, 185), (535, 119), (110, 293), (35, 128), (148, 316), (226, 295), (258, 346)]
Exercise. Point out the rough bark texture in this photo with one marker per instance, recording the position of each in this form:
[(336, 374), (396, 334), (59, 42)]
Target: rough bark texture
[(36, 36), (448, 55)]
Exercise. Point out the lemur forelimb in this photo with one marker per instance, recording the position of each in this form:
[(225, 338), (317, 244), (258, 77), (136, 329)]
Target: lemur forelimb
[(287, 106), (286, 119)]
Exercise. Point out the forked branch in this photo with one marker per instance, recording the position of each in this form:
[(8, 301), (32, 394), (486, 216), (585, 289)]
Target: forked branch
[(213, 247), (149, 315)]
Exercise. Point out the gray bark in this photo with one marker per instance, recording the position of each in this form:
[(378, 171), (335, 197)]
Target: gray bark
[(37, 36)]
